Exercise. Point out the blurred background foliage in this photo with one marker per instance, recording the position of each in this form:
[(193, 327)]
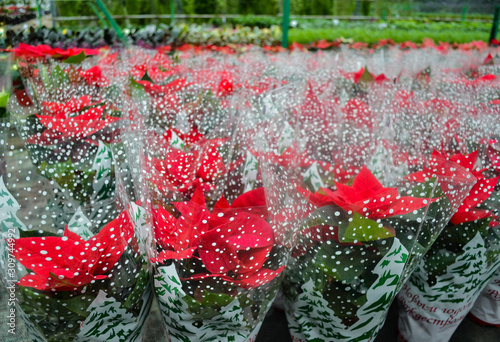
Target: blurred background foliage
[(360, 20), (375, 8)]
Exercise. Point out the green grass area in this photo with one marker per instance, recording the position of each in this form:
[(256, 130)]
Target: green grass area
[(370, 36), (399, 31)]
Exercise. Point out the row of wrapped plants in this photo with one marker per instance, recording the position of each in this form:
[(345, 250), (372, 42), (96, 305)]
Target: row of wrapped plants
[(180, 34), (213, 182), (14, 15), (149, 36)]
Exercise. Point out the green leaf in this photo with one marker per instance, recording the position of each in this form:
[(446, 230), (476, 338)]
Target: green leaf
[(139, 289), (58, 77), (4, 98), (343, 263), (56, 170), (330, 215), (137, 89), (46, 79), (76, 58), (74, 177), (216, 299), (75, 305), (344, 301), (112, 93), (56, 316), (367, 76), (492, 202), (453, 238), (35, 233), (426, 190), (437, 263), (362, 229), (147, 78)]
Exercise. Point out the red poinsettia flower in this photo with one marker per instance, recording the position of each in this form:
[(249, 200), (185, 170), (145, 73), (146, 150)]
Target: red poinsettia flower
[(176, 172), (23, 98), (28, 51), (368, 197), (179, 237), (233, 239), (164, 96), (322, 44), (63, 54), (357, 76), (226, 84), (58, 109), (359, 45), (480, 192), (68, 263), (192, 137), (181, 170), (312, 106), (158, 68), (408, 45), (239, 244), (93, 76), (75, 120), (164, 90), (359, 113)]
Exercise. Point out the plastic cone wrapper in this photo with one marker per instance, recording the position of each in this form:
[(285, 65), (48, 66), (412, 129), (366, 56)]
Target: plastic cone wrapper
[(77, 279), (209, 163), (217, 259), (69, 122), (5, 81), (362, 236), (451, 276), (5, 91), (486, 309), (448, 280), (71, 248)]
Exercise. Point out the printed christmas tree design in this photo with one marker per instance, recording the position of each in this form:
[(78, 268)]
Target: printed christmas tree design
[(311, 176), (9, 229), (107, 321), (314, 319), (103, 185), (176, 306), (250, 172), (174, 310), (463, 279)]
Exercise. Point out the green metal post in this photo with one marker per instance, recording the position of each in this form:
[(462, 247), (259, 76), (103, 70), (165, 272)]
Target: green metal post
[(286, 23), (53, 12), (99, 16), (494, 27), (39, 10), (111, 21), (172, 11), (464, 13), (383, 14)]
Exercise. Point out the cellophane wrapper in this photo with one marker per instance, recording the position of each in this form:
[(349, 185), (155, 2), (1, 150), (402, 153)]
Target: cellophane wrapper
[(361, 236), (486, 309), (461, 262), (72, 249), (444, 286), (217, 253)]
